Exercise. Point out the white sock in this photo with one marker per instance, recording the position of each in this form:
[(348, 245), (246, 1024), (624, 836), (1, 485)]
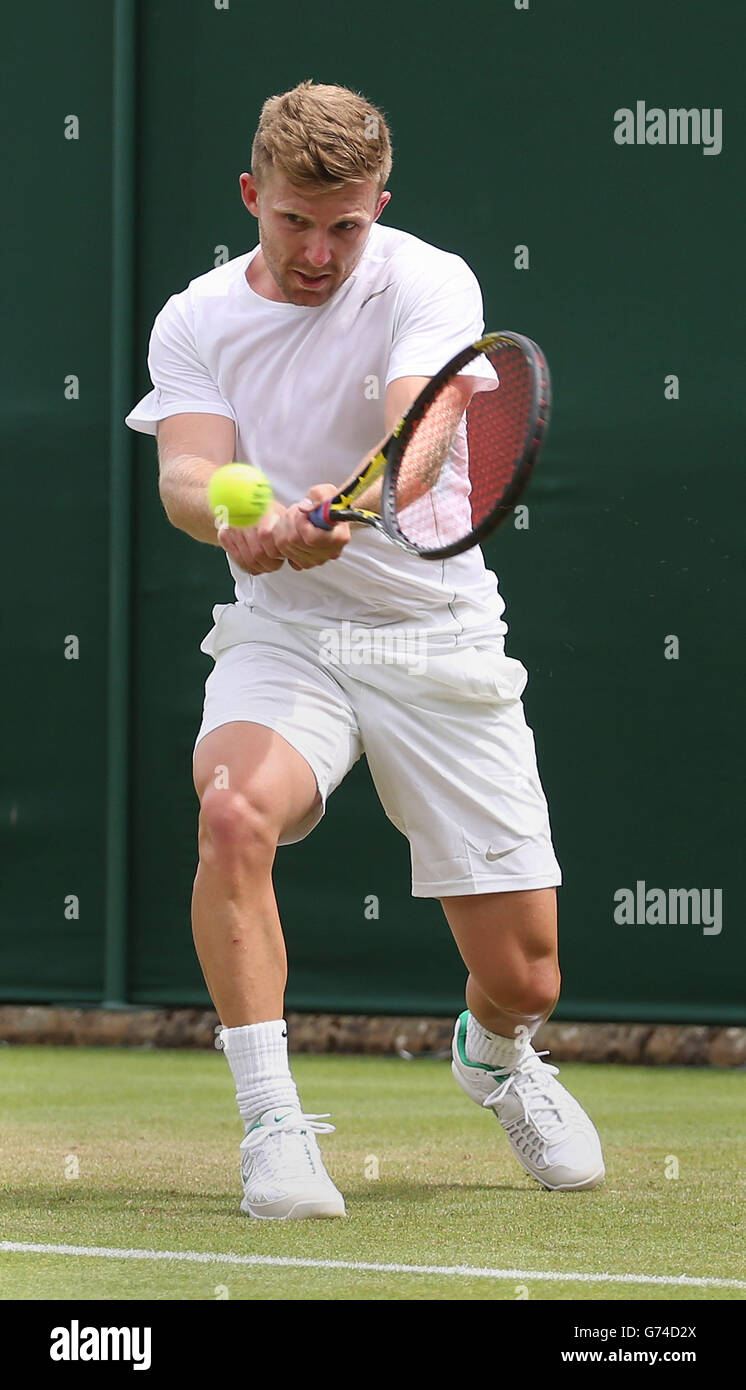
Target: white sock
[(491, 1049), (258, 1057)]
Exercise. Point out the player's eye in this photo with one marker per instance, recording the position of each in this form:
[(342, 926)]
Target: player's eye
[(347, 226), (293, 217)]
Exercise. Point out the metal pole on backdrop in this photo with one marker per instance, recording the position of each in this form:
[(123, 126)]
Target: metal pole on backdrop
[(120, 505)]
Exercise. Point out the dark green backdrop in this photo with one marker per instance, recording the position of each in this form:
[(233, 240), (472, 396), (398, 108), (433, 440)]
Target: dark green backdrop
[(503, 131)]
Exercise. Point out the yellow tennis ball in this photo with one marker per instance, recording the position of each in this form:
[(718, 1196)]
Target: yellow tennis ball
[(239, 494)]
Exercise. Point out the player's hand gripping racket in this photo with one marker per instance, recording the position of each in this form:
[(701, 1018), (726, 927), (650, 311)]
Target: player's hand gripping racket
[(449, 477)]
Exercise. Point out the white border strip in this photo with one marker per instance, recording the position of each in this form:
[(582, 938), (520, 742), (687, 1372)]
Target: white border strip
[(106, 1252)]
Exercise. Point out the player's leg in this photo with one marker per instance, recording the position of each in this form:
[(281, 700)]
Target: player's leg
[(262, 777), (253, 788), (508, 941), (454, 764)]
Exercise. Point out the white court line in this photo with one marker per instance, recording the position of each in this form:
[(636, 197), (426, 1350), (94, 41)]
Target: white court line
[(106, 1252)]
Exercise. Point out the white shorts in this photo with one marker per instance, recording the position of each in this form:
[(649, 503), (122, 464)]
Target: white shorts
[(442, 728)]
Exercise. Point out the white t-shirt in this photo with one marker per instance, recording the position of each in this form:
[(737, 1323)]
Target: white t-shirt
[(305, 387)]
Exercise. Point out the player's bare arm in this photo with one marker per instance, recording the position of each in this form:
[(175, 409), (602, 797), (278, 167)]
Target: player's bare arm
[(190, 448), (303, 544), (301, 541), (401, 394)]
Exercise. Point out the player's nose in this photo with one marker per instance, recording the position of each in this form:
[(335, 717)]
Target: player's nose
[(318, 252)]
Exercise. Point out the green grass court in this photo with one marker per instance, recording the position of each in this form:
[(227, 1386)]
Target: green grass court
[(155, 1135)]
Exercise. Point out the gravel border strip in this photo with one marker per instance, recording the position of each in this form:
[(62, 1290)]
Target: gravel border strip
[(647, 1044)]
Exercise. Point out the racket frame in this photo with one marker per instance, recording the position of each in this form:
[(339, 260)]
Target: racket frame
[(535, 434), (387, 461)]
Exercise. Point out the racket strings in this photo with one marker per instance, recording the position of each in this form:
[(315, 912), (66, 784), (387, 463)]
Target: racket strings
[(432, 477), (496, 429), (429, 446), (453, 473)]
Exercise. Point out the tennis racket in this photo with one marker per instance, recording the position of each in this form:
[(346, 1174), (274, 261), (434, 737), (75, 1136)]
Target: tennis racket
[(451, 472)]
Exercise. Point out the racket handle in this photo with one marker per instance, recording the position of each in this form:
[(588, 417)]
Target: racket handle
[(320, 517)]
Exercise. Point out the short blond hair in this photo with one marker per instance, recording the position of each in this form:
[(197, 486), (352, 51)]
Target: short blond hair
[(322, 138)]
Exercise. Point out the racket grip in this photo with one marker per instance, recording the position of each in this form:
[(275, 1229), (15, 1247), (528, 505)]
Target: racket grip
[(320, 517)]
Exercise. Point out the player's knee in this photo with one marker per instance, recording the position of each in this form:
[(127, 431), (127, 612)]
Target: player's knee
[(538, 990), (531, 991), (545, 993), (235, 828)]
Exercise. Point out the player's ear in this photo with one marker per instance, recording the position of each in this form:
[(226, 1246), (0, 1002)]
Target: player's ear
[(249, 191), (380, 205)]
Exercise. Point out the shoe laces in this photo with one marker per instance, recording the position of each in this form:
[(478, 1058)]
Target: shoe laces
[(295, 1126), (293, 1120), (529, 1082)]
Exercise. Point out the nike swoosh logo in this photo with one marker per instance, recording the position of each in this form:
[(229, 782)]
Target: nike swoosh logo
[(376, 294), (491, 856), (277, 1119)]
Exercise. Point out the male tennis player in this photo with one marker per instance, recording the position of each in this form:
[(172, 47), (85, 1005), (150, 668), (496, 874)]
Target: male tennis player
[(299, 356)]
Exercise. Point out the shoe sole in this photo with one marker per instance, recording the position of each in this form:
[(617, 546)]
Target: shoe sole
[(300, 1211), (583, 1186)]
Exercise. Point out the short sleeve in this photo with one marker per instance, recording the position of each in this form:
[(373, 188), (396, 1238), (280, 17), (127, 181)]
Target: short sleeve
[(181, 381), (439, 314)]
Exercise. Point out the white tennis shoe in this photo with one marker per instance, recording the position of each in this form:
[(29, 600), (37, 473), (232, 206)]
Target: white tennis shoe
[(284, 1178), (549, 1132)]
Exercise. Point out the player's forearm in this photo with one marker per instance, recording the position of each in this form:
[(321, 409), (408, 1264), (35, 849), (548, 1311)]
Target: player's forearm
[(183, 490)]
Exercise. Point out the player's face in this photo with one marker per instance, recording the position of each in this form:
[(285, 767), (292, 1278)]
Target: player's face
[(311, 243)]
